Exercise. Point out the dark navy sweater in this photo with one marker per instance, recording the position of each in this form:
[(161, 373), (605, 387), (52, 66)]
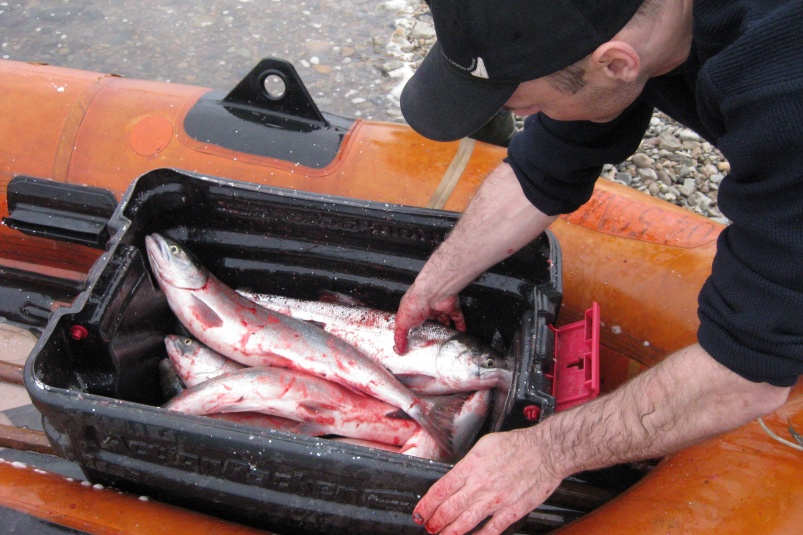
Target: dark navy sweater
[(741, 89)]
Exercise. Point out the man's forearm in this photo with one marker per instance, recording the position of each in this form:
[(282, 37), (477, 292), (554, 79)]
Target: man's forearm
[(687, 398), (498, 222), (683, 400)]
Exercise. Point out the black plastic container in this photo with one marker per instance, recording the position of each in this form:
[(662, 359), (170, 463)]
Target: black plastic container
[(93, 373)]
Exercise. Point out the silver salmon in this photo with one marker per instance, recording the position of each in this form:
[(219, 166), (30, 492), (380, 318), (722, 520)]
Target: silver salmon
[(170, 380), (196, 363), (439, 360), (329, 407), (252, 335)]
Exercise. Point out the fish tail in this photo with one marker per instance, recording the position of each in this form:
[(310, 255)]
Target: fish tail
[(437, 416)]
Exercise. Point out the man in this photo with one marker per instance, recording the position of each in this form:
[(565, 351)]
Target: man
[(589, 73)]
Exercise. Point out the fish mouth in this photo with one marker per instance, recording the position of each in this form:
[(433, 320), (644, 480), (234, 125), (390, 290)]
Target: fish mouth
[(156, 248), (172, 343)]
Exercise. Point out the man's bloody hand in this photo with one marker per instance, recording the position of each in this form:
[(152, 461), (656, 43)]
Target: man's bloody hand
[(503, 477), (416, 308)]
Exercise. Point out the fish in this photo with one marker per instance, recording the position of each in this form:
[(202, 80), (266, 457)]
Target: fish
[(170, 381), (440, 360), (192, 363), (252, 335), (328, 407), (196, 363)]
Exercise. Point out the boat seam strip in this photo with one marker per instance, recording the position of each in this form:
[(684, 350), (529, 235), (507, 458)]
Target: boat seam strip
[(452, 174)]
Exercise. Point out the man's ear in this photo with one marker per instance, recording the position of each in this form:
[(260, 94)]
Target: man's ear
[(617, 61)]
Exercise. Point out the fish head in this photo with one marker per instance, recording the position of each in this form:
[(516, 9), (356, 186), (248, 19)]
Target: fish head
[(181, 345), (482, 362), (172, 265)]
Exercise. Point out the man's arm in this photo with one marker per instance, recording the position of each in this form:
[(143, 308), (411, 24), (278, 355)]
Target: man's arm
[(498, 222), (685, 399)]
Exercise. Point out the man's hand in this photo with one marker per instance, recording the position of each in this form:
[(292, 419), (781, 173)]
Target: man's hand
[(416, 308), (503, 477)]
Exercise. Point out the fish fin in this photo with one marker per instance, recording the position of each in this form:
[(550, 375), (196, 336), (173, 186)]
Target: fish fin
[(275, 361), (416, 382), (438, 419), (316, 406), (337, 298), (310, 429), (398, 415), (319, 324), (205, 314)]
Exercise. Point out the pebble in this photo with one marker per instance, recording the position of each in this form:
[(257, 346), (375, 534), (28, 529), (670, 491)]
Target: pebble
[(687, 188), (623, 177), (423, 30), (688, 135), (641, 160), (647, 173), (669, 143)]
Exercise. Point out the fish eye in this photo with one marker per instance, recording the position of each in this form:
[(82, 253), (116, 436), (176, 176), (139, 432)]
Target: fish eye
[(173, 249), (490, 363), (188, 341)]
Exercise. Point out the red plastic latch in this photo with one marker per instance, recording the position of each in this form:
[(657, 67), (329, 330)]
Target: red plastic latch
[(532, 413), (575, 378), (78, 332)]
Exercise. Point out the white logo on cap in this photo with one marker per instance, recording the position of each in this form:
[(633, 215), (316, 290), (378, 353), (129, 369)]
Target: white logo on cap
[(477, 67), (480, 71)]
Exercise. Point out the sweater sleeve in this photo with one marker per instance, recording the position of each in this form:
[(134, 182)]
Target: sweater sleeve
[(558, 162), (751, 307)]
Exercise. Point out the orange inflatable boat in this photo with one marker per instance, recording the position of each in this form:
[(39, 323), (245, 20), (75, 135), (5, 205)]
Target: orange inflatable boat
[(641, 259)]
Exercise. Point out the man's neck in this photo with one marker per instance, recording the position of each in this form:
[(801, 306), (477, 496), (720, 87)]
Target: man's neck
[(664, 44)]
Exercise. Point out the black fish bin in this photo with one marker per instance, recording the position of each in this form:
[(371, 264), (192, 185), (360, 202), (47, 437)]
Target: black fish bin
[(94, 372)]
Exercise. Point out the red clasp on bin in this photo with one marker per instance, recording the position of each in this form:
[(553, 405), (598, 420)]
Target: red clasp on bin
[(532, 413), (78, 332)]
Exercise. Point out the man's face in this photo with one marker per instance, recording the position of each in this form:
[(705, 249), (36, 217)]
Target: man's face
[(595, 102)]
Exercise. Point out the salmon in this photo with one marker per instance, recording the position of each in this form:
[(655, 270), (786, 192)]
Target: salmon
[(439, 360), (328, 407), (252, 335), (196, 363)]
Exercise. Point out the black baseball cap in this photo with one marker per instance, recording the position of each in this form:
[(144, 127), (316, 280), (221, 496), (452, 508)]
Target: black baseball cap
[(486, 48)]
